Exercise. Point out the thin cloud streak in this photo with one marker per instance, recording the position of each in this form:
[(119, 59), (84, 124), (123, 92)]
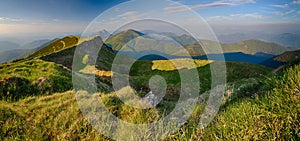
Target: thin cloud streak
[(133, 15), (234, 17), (9, 19), (177, 9), (281, 6), (283, 13)]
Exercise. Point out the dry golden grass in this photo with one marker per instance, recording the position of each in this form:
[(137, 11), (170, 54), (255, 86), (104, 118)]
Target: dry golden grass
[(176, 64), (93, 70)]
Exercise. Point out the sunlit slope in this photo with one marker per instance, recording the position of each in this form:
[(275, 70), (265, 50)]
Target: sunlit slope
[(56, 46), (263, 108), (34, 77)]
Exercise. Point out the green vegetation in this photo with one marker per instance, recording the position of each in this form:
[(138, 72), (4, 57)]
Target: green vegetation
[(56, 46), (270, 112), (34, 77), (36, 103), (248, 46), (43, 118), (120, 39), (142, 71), (288, 56)]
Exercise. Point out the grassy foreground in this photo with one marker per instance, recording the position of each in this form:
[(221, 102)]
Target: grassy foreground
[(268, 109), (34, 77)]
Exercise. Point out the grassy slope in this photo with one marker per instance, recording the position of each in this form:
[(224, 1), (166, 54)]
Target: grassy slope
[(142, 71), (56, 46), (49, 117), (66, 56), (21, 79), (288, 56), (271, 114), (120, 39)]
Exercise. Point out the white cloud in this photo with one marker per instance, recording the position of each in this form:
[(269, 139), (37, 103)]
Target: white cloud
[(9, 19), (133, 15), (296, 2), (250, 16), (176, 9), (281, 6), (283, 13), (237, 17)]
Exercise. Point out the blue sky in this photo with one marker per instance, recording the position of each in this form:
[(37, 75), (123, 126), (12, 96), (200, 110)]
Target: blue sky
[(34, 17)]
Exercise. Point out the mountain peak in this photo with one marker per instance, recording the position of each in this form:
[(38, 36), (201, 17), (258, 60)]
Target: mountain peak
[(132, 31), (117, 41)]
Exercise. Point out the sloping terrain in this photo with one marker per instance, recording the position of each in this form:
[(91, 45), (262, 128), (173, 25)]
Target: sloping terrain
[(255, 105), (288, 56), (261, 109), (282, 59), (66, 56), (58, 45), (195, 49), (119, 40), (11, 55), (34, 77)]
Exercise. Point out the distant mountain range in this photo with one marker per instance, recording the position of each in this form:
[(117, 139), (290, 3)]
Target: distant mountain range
[(8, 45), (59, 50), (286, 39), (194, 48), (13, 54)]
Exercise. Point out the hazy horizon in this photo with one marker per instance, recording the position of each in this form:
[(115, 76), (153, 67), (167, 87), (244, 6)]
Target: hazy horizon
[(25, 22)]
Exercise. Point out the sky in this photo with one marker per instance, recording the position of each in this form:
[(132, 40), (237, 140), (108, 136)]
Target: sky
[(44, 18)]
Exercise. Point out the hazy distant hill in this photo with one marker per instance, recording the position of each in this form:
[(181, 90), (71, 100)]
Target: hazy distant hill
[(14, 54), (233, 38), (184, 39), (254, 46), (169, 34), (103, 34), (7, 45), (246, 46), (35, 44), (284, 39), (11, 55)]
